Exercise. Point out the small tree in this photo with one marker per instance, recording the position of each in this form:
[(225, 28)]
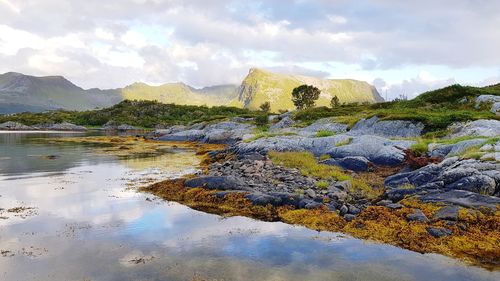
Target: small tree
[(265, 107), (305, 96), (334, 102)]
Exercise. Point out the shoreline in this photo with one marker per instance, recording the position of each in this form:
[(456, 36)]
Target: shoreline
[(473, 239)]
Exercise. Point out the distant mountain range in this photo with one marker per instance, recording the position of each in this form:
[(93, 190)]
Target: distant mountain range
[(19, 92)]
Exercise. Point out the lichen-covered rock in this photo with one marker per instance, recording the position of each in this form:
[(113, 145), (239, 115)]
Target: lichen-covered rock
[(378, 150), (187, 135), (447, 213), (462, 198), (389, 128), (478, 128), (439, 231), (14, 126), (418, 216)]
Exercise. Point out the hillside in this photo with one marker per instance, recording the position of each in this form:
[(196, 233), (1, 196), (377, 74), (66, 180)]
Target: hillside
[(260, 86), (180, 93), (19, 92)]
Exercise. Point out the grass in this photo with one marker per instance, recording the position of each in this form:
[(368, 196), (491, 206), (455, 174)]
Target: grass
[(322, 184), (345, 142), (422, 145), (308, 166), (268, 135), (325, 133)]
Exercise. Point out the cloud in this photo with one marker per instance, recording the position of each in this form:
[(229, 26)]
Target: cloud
[(411, 87), (113, 43)]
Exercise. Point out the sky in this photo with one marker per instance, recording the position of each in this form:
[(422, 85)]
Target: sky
[(401, 47)]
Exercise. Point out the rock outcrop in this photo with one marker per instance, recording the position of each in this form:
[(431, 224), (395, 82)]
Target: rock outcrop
[(388, 128), (478, 128), (14, 126)]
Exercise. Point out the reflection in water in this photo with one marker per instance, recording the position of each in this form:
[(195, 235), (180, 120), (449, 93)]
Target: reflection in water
[(90, 226)]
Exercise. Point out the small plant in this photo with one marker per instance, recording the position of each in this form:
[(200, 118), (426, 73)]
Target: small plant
[(322, 184), (325, 133), (334, 102), (261, 120), (265, 107), (305, 96)]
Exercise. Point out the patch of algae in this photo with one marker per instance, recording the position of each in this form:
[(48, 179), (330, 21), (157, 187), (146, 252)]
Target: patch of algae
[(130, 146), (475, 238)]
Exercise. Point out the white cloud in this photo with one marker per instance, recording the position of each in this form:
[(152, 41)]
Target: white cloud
[(104, 34)]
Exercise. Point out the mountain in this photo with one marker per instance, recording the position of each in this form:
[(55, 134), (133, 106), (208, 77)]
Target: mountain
[(260, 86), (19, 92), (180, 93)]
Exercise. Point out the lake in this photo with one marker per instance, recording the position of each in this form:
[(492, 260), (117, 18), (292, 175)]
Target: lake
[(69, 213)]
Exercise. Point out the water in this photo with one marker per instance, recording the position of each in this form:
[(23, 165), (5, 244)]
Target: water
[(89, 223)]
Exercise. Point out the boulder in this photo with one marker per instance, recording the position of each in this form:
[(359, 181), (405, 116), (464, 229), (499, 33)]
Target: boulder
[(418, 216), (378, 150), (14, 126), (476, 183), (462, 198), (389, 128), (447, 213), (478, 128), (188, 135), (353, 163), (325, 124), (491, 99), (65, 126), (439, 231), (126, 127), (285, 122), (317, 146), (448, 150)]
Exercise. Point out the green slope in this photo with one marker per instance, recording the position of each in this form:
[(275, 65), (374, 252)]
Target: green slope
[(261, 86)]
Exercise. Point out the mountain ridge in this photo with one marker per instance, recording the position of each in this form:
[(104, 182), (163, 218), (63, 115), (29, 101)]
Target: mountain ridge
[(20, 92)]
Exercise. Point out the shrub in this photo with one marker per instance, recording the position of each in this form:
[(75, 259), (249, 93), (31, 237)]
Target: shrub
[(261, 120), (334, 102), (265, 107)]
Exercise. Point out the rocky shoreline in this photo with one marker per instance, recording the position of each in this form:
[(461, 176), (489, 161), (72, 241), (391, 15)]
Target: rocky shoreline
[(64, 126), (437, 192)]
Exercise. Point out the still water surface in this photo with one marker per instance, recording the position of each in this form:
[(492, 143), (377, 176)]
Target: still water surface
[(87, 222)]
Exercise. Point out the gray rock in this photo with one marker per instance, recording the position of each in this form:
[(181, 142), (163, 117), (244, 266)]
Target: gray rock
[(65, 126), (353, 209), (286, 122), (188, 135), (217, 182), (439, 231), (353, 163), (337, 194), (349, 217), (477, 183), (391, 129), (394, 206), (417, 215), (317, 146), (126, 127), (447, 213), (478, 128), (377, 150), (494, 100), (14, 126), (325, 124), (343, 210), (447, 150), (311, 193), (462, 198)]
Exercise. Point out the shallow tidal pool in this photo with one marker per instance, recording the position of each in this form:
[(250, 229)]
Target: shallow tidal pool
[(69, 213)]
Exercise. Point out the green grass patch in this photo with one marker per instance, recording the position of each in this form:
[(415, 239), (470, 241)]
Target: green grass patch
[(322, 184), (325, 133), (345, 142)]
